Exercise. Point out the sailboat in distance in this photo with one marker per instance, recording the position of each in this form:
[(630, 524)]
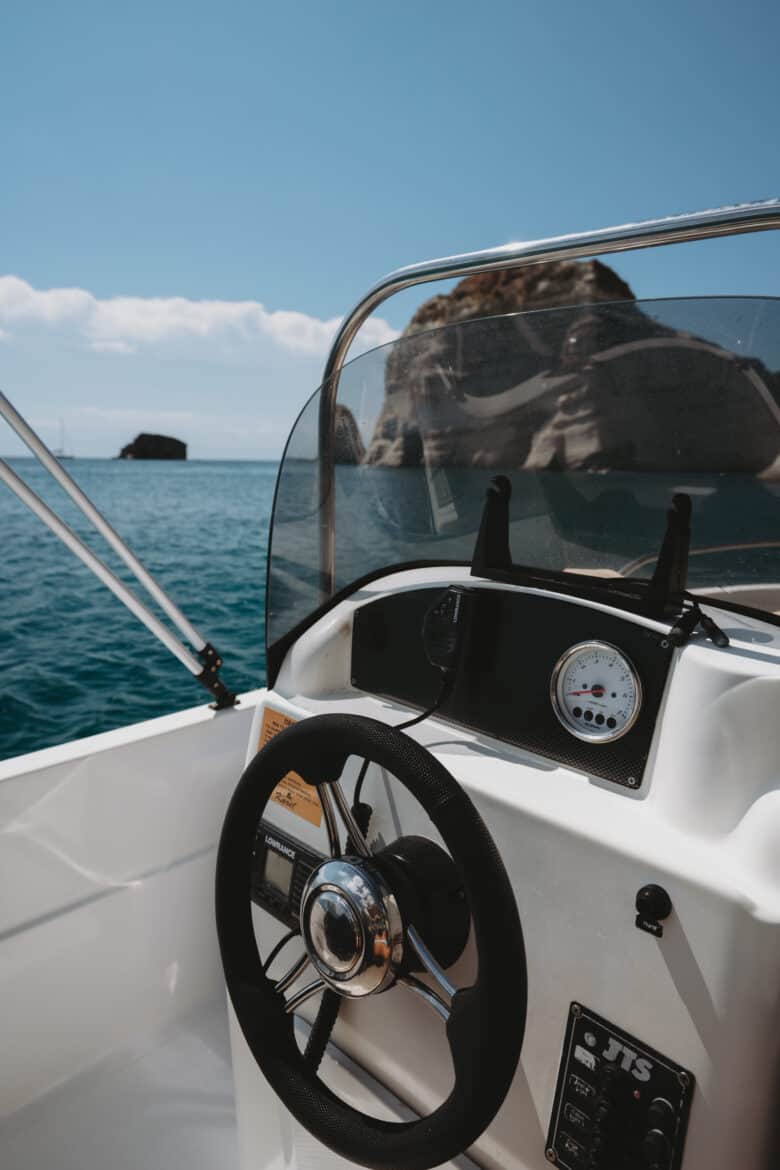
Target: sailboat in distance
[(60, 451)]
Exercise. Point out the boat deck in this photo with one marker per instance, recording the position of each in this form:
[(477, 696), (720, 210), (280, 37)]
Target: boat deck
[(165, 1104)]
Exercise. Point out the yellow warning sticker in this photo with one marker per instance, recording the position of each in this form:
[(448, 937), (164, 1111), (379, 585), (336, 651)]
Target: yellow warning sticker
[(292, 792)]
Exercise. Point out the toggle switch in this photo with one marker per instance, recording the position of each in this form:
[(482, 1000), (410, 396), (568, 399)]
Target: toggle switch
[(661, 1115), (656, 1150)]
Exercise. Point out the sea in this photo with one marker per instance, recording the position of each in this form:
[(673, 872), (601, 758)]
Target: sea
[(73, 660)]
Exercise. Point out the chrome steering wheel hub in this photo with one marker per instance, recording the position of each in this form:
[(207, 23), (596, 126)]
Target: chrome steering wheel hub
[(352, 927)]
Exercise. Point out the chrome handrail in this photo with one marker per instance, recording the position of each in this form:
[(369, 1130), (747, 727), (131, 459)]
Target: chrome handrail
[(700, 225)]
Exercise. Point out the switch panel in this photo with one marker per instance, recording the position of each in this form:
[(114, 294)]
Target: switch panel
[(619, 1105)]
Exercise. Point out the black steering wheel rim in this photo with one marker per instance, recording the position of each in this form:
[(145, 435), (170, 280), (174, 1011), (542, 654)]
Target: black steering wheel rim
[(487, 1020)]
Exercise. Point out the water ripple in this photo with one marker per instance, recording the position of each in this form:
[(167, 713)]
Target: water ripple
[(73, 660)]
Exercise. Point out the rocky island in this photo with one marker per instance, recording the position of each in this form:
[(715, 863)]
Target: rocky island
[(146, 446)]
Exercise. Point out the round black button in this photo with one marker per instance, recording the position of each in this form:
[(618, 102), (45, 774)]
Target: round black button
[(654, 903), (656, 1150)]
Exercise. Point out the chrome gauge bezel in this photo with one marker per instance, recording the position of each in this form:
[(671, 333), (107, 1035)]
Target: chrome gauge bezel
[(597, 736)]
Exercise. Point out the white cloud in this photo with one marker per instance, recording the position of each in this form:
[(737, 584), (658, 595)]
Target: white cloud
[(125, 325), (20, 302), (227, 377)]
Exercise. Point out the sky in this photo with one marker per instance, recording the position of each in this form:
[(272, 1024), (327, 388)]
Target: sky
[(192, 195)]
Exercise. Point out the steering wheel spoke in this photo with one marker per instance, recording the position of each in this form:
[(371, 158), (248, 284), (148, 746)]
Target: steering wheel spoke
[(426, 994), (354, 832), (300, 997), (331, 825), (429, 963), (294, 973)]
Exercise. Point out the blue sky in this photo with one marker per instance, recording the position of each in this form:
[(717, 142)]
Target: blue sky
[(219, 183)]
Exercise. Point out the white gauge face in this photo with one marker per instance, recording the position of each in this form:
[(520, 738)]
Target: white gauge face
[(596, 692)]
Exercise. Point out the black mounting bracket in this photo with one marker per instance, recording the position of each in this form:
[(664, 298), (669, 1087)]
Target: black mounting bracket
[(210, 657), (209, 678), (491, 550), (665, 596), (691, 620), (670, 579)]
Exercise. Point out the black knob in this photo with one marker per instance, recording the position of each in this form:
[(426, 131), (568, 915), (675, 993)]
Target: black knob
[(656, 1150), (661, 1115), (654, 903)]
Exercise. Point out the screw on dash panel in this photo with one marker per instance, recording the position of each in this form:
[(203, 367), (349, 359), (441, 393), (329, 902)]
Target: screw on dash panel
[(576, 1010), (551, 1155)]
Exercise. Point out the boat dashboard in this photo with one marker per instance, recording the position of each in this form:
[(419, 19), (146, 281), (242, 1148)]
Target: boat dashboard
[(667, 711), (577, 685), (637, 844)]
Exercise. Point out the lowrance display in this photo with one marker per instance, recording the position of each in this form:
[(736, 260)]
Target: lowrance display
[(280, 867), (278, 872)]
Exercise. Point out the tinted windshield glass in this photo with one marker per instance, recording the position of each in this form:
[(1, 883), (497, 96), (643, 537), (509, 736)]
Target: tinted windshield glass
[(597, 415)]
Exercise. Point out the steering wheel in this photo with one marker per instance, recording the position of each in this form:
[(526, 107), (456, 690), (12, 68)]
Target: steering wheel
[(357, 924)]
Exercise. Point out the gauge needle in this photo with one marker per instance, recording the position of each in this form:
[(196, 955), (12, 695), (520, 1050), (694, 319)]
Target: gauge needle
[(597, 691)]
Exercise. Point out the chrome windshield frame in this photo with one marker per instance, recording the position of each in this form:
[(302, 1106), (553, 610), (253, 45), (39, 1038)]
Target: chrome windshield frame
[(724, 221)]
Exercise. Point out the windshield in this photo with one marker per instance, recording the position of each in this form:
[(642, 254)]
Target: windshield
[(597, 414)]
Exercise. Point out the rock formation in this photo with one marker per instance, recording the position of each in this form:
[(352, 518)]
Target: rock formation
[(146, 446), (541, 286), (348, 445), (576, 388), (516, 349)]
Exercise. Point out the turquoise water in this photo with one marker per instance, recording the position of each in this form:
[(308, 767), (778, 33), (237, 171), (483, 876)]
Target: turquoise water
[(73, 660)]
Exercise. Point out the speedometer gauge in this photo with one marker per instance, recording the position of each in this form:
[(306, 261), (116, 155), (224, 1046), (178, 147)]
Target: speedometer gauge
[(596, 692)]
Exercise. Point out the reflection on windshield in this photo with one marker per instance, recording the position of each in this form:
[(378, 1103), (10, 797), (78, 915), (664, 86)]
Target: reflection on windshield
[(597, 414)]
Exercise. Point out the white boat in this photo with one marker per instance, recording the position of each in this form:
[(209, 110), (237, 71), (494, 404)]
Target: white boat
[(541, 924)]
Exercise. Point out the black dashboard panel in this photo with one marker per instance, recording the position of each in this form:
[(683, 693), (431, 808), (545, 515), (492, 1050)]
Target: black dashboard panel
[(503, 683)]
